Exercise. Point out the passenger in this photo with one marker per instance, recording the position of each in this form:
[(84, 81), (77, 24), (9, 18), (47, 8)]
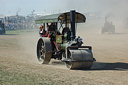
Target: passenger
[(52, 27), (41, 30), (65, 30), (46, 29)]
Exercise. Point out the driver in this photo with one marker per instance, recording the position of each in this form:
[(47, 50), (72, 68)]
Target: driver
[(41, 30)]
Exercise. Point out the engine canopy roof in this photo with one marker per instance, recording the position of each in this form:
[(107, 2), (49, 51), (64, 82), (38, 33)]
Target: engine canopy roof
[(63, 17)]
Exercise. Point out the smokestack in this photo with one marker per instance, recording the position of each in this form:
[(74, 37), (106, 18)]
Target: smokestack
[(72, 19)]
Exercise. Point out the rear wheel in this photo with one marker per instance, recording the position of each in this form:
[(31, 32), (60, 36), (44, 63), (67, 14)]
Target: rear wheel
[(44, 51)]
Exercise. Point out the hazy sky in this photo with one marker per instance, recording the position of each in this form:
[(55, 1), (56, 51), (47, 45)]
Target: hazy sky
[(25, 7)]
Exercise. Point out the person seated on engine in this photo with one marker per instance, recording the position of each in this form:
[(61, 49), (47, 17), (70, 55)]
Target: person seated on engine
[(47, 30), (66, 31), (52, 27), (42, 30)]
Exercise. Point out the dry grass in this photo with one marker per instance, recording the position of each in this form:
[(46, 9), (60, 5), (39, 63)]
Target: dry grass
[(19, 66)]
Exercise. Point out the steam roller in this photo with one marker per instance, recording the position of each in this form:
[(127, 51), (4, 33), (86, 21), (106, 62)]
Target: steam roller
[(60, 41)]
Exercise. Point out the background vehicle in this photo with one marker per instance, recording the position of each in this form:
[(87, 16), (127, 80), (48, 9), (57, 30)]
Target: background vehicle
[(2, 29), (60, 42), (108, 27)]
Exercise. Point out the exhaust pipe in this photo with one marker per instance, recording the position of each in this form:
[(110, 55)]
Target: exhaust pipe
[(72, 20)]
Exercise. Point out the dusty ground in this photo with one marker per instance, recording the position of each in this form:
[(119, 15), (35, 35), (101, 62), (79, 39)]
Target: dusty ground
[(19, 66)]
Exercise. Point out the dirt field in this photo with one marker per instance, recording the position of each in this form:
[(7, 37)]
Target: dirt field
[(19, 66)]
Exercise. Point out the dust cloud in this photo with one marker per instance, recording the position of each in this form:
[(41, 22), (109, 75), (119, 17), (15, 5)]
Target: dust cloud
[(28, 42), (96, 10)]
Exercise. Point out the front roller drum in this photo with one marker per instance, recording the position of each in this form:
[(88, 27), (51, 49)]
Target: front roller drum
[(80, 59), (44, 50)]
